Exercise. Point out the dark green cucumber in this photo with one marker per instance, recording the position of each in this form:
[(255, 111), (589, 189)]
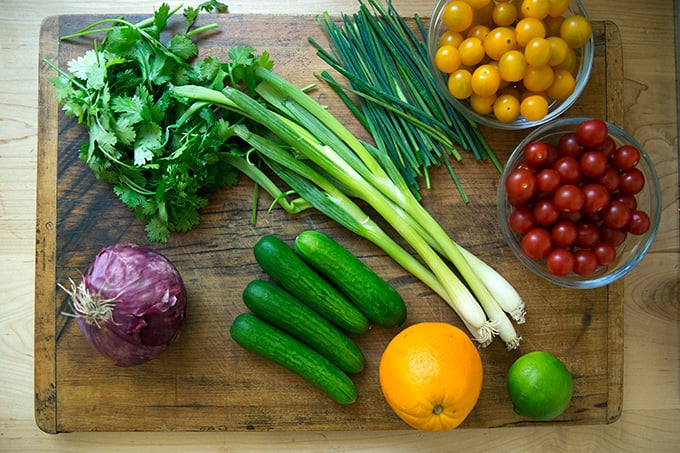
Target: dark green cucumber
[(280, 261), (377, 299), (263, 339), (280, 308)]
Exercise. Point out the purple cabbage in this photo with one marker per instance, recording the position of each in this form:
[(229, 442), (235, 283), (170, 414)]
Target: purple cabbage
[(130, 304)]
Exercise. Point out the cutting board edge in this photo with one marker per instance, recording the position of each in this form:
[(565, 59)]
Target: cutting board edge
[(45, 236), (615, 109)]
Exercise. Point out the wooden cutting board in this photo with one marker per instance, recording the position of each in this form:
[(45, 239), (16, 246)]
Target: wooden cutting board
[(205, 382)]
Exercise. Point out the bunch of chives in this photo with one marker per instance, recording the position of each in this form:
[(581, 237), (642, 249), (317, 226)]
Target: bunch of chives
[(397, 101)]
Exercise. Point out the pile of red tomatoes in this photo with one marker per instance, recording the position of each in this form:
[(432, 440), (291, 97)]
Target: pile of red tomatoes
[(574, 202)]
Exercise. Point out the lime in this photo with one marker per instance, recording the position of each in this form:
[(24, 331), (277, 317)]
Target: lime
[(540, 385)]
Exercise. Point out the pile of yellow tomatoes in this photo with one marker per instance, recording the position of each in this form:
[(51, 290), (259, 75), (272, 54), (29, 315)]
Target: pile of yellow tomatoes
[(511, 58)]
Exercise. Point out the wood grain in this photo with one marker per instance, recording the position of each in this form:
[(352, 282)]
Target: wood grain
[(205, 382)]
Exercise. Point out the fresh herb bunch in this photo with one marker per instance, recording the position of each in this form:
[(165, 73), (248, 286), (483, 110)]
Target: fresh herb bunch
[(163, 156)]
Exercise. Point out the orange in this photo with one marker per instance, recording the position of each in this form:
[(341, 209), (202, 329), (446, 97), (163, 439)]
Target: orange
[(431, 376)]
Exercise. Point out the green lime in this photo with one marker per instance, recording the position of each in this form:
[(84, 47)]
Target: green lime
[(540, 385)]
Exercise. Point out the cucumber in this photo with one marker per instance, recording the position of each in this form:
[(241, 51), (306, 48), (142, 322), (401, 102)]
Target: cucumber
[(280, 261), (378, 300), (275, 305), (263, 339)]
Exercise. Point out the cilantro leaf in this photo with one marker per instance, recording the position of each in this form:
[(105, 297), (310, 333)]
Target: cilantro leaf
[(209, 6), (91, 67), (124, 130), (183, 47)]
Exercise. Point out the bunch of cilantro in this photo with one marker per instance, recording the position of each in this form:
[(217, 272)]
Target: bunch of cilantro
[(163, 156)]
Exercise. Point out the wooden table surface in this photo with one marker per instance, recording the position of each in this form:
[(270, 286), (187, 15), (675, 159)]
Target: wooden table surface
[(651, 400)]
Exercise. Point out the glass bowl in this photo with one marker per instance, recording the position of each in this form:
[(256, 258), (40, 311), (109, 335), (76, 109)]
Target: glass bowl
[(629, 253), (555, 108)]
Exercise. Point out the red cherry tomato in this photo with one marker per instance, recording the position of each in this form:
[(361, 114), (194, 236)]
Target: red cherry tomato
[(537, 243), (616, 215), (610, 179), (548, 180), (553, 155), (588, 234), (607, 147), (564, 233), (524, 165), (604, 252), (585, 262), (521, 185), (626, 157), (569, 145), (614, 236), (575, 217), (569, 198), (545, 212), (592, 132), (560, 262), (569, 170), (593, 164), (536, 153), (639, 223), (522, 220), (596, 197), (632, 181), (628, 200)]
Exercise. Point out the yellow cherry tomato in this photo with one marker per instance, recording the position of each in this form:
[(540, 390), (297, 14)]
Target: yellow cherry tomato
[(563, 85), (570, 62), (447, 59), (557, 8), (451, 38), (485, 80), (504, 14), (506, 108), (471, 51), (482, 104), (558, 50), (478, 31), (498, 41), (535, 8), (477, 4), (528, 29), (459, 84), (526, 93), (537, 52), (494, 65), (552, 25), (576, 31), (457, 15), (511, 89), (483, 14), (512, 66), (538, 78), (534, 108)]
